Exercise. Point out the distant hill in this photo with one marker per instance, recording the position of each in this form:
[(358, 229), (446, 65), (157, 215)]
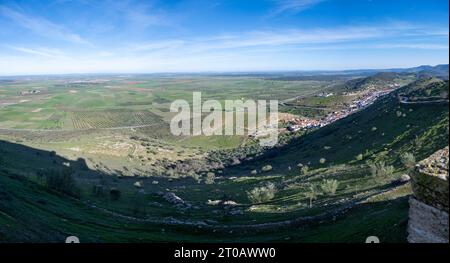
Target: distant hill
[(380, 80)]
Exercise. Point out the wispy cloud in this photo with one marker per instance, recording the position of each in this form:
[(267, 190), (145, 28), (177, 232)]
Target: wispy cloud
[(138, 14), (43, 52), (250, 50), (293, 6), (41, 26), (412, 46), (321, 38)]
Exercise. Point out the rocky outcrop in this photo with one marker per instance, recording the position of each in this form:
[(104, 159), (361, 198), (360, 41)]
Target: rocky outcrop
[(175, 200), (428, 214)]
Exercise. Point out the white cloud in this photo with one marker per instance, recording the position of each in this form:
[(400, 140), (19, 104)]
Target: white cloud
[(323, 38), (293, 6), (42, 26), (256, 50), (44, 52)]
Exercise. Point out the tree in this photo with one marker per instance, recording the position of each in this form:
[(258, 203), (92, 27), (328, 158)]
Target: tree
[(329, 186), (62, 181), (312, 194), (262, 194)]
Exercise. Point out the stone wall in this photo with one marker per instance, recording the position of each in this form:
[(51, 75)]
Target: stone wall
[(428, 214), (426, 223)]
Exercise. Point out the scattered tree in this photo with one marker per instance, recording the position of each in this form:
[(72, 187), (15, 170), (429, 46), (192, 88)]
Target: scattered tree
[(312, 194), (262, 194), (329, 186), (62, 181)]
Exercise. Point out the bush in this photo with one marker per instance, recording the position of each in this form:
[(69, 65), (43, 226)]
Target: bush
[(380, 170), (304, 170), (267, 168), (408, 160), (115, 194), (359, 157), (138, 205), (62, 181), (329, 186), (262, 194), (98, 190), (210, 177)]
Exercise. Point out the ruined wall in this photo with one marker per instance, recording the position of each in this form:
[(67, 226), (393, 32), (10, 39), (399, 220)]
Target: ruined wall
[(428, 214)]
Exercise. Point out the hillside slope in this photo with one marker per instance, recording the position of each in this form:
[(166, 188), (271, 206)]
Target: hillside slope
[(382, 131)]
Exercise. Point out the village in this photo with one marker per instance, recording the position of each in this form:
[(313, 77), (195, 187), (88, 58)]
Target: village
[(364, 99)]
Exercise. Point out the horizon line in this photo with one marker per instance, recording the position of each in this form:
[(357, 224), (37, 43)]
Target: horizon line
[(225, 71)]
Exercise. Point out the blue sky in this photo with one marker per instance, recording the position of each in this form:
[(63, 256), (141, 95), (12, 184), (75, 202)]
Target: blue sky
[(95, 36)]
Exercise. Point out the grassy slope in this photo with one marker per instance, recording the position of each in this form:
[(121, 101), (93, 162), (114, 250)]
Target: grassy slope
[(30, 213)]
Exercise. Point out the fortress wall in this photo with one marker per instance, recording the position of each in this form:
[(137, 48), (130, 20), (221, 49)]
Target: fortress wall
[(428, 214)]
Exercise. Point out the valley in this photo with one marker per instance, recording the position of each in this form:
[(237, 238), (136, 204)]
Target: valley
[(93, 156)]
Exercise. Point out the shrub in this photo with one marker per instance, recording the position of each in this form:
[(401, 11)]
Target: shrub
[(138, 205), (408, 160), (304, 170), (210, 177), (267, 168), (359, 157), (329, 186), (380, 170), (98, 190), (62, 181), (262, 194), (115, 194)]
